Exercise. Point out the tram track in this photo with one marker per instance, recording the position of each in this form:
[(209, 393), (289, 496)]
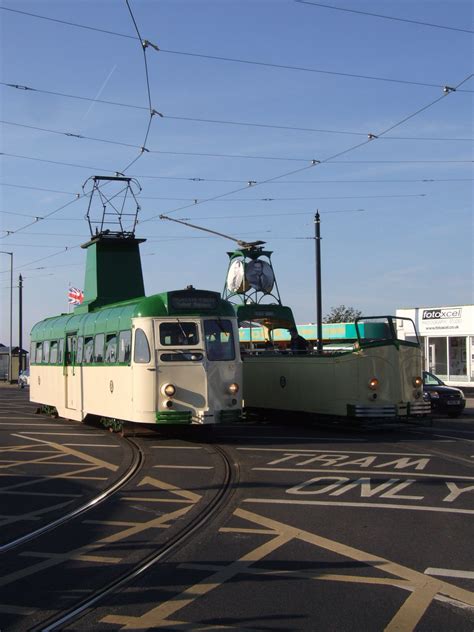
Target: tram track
[(215, 506), (133, 469)]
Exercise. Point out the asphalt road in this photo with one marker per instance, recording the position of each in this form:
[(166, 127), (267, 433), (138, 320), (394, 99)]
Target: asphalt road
[(320, 529)]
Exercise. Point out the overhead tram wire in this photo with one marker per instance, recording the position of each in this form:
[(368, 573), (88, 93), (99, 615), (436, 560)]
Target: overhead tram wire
[(144, 45), (222, 122), (79, 196), (385, 17), (89, 168), (371, 137), (295, 199), (235, 60), (314, 162), (143, 149), (39, 218)]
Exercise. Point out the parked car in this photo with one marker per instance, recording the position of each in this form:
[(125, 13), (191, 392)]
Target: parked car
[(24, 378), (444, 399)]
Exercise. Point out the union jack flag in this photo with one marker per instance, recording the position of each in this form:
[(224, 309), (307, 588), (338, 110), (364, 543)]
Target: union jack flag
[(75, 296)]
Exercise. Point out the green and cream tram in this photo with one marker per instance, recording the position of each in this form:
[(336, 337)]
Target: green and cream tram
[(165, 359), (377, 375), (373, 374)]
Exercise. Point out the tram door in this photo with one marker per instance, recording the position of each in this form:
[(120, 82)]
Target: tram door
[(71, 373)]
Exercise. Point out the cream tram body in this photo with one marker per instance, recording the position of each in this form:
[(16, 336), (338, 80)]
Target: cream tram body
[(376, 377), (169, 358)]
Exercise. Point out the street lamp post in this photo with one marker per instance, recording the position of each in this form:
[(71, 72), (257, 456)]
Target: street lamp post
[(319, 310), (20, 323), (3, 252)]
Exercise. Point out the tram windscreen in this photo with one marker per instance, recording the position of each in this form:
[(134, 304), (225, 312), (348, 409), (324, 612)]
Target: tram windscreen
[(178, 334), (386, 329), (219, 338)]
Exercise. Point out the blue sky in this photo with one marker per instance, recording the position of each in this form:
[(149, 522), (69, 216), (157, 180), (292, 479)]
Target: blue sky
[(397, 213)]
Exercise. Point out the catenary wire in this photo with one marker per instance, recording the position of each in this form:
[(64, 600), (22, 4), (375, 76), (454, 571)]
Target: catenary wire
[(151, 111), (240, 123), (385, 17), (236, 60), (314, 163), (236, 156), (294, 199)]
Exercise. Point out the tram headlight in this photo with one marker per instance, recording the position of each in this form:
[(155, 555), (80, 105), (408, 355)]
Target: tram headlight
[(373, 384), (168, 389), (417, 381), (233, 388)]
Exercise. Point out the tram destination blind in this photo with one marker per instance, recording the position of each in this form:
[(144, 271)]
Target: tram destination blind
[(203, 302)]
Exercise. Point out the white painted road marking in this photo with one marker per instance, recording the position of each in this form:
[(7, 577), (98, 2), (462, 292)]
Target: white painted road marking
[(331, 471), (186, 467), (278, 437), (310, 452), (176, 447), (273, 501)]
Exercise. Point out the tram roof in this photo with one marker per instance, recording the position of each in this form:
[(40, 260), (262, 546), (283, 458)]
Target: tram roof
[(118, 316)]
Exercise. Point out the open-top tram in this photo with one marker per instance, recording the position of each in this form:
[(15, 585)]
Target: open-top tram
[(371, 374), (377, 376), (168, 358)]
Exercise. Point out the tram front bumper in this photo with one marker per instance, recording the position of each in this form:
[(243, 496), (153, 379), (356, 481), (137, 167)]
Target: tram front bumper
[(174, 417), (360, 411)]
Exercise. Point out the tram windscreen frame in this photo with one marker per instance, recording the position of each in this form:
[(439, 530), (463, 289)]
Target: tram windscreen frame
[(219, 339), (385, 329), (178, 333)]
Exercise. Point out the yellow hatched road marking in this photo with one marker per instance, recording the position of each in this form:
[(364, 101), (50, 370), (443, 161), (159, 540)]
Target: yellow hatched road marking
[(46, 460), (192, 497), (77, 453), (67, 475), (423, 589), (32, 515), (84, 552), (84, 557), (28, 448)]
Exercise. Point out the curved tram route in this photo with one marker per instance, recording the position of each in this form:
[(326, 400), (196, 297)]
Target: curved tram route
[(217, 503), (132, 470)]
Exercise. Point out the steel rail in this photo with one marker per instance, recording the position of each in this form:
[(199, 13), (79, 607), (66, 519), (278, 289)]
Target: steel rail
[(134, 467), (218, 502)]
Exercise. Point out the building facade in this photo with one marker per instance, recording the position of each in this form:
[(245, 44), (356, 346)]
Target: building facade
[(447, 335)]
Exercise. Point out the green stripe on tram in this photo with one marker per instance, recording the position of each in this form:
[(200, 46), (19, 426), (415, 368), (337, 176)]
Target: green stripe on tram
[(174, 417)]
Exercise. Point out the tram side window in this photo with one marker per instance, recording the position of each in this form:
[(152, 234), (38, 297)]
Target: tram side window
[(99, 348), (33, 351), (53, 352), (111, 348), (46, 351), (80, 350), (61, 351), (141, 352), (39, 352), (88, 349), (125, 345)]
